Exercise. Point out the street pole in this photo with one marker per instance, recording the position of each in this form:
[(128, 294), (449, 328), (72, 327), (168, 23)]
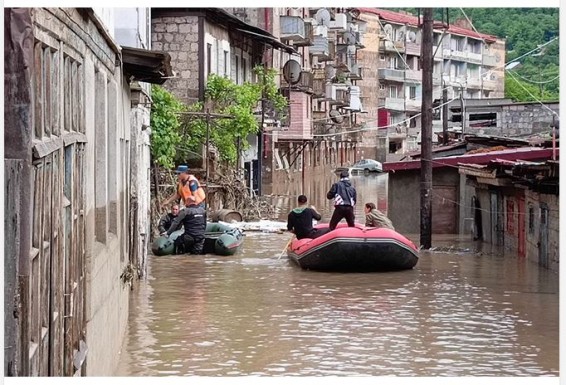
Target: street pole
[(426, 133), (444, 114), (207, 151)]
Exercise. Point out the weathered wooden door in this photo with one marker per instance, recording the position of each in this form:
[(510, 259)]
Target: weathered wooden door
[(73, 230), (496, 216), (444, 210), (521, 226)]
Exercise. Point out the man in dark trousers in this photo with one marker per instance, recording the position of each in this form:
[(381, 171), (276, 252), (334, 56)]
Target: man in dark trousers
[(193, 218), (344, 195), (299, 220)]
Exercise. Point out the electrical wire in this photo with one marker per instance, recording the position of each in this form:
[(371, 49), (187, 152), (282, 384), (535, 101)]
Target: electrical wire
[(534, 81), (533, 96)]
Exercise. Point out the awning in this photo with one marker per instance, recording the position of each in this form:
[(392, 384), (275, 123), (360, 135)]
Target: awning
[(269, 40), (146, 65)]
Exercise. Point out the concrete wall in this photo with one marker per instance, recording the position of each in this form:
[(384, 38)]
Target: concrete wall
[(404, 196), (107, 295), (179, 37), (535, 200), (527, 118)]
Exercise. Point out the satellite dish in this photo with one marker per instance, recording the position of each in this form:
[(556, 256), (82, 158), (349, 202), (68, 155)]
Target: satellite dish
[(292, 71), (412, 36), (336, 116), (388, 29), (322, 17), (329, 72), (350, 38)]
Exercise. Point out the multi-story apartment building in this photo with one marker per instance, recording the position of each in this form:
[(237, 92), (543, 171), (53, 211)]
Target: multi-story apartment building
[(466, 63), (325, 121)]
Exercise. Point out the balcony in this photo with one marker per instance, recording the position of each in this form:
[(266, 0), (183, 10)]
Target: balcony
[(489, 85), (413, 76), (439, 55), (489, 60), (413, 105), (389, 46), (413, 48), (475, 58), (397, 104), (319, 88), (292, 28), (309, 37), (391, 74), (320, 47), (458, 55), (306, 82), (356, 72), (337, 94), (474, 82)]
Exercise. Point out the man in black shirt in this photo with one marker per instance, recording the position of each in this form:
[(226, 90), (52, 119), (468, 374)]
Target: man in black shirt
[(166, 220), (299, 220), (193, 219), (345, 196)]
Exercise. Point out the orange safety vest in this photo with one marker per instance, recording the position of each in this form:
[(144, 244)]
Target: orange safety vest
[(184, 190)]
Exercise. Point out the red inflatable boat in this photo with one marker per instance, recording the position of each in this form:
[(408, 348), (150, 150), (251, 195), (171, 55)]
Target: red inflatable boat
[(359, 248)]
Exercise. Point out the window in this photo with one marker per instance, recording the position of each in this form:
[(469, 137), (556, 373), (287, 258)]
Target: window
[(244, 70), (413, 122), (392, 91), (237, 79), (226, 63), (208, 58), (412, 93), (381, 86), (381, 57), (531, 220)]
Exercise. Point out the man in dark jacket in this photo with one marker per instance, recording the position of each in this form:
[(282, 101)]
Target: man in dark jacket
[(299, 220), (344, 195), (166, 220), (193, 218)]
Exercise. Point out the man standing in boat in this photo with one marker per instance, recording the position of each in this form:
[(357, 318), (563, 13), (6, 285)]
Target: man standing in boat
[(344, 195), (187, 186), (299, 220), (193, 218)]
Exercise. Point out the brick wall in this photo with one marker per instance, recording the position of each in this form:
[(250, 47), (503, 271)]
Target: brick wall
[(179, 37)]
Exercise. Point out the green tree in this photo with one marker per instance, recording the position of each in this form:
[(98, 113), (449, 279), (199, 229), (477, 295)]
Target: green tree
[(242, 103), (165, 124)]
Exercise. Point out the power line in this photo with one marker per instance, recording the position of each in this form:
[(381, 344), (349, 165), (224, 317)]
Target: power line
[(534, 97)]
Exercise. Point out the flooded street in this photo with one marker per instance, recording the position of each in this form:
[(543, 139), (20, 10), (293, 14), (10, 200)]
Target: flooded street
[(460, 312)]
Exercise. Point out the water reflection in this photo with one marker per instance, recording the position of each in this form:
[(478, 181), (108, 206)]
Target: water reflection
[(456, 314)]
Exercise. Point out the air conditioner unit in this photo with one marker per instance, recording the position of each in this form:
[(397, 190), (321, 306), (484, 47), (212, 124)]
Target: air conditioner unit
[(321, 30), (340, 22)]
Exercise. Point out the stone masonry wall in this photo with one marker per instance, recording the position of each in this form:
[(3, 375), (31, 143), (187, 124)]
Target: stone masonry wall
[(179, 37)]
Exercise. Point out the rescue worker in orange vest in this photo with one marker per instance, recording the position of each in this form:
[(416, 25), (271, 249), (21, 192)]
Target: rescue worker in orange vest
[(187, 186)]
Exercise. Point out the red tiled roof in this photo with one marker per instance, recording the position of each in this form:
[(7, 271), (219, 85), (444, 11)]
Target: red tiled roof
[(399, 18), (522, 153)]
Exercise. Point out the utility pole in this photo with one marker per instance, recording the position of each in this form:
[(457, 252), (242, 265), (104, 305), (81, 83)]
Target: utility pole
[(444, 114), (426, 130)]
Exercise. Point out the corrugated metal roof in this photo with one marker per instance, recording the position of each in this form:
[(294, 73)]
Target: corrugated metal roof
[(522, 153)]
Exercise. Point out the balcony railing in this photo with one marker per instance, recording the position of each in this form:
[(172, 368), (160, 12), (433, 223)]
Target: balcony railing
[(489, 85), (413, 48), (309, 37), (292, 28), (474, 82), (389, 46), (413, 105), (397, 104), (475, 58), (319, 88), (356, 72), (414, 75), (391, 74)]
